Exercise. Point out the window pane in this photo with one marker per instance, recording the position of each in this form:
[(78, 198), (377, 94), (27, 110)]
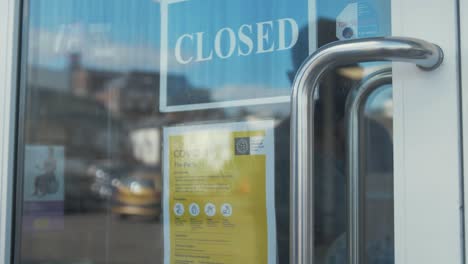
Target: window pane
[(102, 83)]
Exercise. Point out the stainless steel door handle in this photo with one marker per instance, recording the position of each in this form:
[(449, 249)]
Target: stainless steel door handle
[(422, 53), (354, 113)]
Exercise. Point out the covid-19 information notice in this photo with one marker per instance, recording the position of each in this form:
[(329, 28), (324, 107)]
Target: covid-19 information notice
[(219, 194)]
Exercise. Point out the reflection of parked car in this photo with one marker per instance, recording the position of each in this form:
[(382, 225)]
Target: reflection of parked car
[(103, 174), (138, 194)]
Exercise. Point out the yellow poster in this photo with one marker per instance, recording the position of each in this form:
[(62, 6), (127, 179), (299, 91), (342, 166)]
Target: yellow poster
[(219, 194)]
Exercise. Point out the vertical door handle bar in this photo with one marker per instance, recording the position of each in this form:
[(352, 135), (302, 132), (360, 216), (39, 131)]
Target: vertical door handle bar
[(422, 53), (354, 112)]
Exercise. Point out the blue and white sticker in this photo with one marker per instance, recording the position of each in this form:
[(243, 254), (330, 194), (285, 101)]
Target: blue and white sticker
[(359, 20)]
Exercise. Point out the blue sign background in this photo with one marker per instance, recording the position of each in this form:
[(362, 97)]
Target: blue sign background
[(238, 77)]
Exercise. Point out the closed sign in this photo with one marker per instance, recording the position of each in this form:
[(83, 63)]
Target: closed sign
[(221, 53)]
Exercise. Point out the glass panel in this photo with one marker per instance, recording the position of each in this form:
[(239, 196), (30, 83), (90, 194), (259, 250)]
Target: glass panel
[(119, 97), (378, 174)]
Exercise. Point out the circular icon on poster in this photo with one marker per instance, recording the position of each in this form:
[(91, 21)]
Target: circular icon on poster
[(179, 209), (242, 146), (226, 210), (194, 209), (210, 209)]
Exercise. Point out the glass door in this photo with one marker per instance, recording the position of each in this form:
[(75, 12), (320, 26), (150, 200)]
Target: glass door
[(159, 131)]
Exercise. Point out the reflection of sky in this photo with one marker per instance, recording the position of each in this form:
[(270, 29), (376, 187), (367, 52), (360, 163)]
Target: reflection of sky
[(131, 22), (111, 34), (125, 35), (135, 25)]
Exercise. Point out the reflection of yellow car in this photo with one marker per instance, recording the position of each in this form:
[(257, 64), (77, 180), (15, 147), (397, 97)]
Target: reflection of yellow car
[(138, 195)]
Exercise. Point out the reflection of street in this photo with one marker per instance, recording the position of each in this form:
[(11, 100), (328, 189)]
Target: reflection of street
[(97, 239)]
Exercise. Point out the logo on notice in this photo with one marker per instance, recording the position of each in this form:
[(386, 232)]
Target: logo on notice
[(242, 146)]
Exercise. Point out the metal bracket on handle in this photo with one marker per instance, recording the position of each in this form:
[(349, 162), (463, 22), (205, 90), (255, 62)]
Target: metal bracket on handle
[(422, 53), (354, 110)]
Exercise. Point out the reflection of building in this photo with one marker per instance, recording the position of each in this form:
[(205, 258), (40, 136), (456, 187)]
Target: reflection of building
[(101, 116), (95, 97), (78, 123), (132, 94)]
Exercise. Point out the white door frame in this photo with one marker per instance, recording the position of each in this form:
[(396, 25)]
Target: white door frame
[(427, 133), (427, 128), (9, 47), (463, 27)]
